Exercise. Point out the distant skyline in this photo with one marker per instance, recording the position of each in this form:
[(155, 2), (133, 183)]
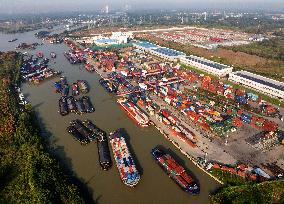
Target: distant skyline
[(41, 6)]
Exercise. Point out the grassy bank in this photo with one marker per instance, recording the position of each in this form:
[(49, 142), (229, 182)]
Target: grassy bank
[(28, 173), (261, 193)]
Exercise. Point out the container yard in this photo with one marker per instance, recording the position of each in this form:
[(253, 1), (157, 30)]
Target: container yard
[(200, 115), (211, 122)]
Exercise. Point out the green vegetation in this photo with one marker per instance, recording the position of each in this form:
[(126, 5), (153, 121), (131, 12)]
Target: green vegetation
[(229, 178), (28, 174), (251, 193), (270, 49)]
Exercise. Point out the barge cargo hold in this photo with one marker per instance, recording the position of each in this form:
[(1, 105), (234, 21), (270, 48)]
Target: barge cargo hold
[(104, 153), (63, 107), (97, 131), (77, 135), (175, 171), (82, 129), (134, 112), (92, 128), (71, 104), (124, 161), (88, 104)]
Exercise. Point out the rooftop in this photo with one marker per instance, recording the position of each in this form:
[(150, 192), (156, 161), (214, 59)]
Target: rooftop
[(260, 79), (146, 44), (207, 62), (106, 40), (169, 52)]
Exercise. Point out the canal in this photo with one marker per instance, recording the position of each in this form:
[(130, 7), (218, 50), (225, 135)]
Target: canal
[(154, 187)]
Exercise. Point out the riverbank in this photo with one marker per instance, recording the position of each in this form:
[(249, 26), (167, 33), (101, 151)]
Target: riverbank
[(28, 172)]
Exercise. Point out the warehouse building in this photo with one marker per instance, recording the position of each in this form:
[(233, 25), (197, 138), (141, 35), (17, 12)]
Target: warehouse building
[(261, 84), (214, 68), (144, 45), (167, 53)]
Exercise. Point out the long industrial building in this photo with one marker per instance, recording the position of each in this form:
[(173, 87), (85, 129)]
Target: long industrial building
[(144, 45), (261, 84), (212, 67), (167, 53), (162, 52)]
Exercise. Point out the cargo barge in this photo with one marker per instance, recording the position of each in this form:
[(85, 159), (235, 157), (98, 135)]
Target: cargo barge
[(175, 171), (77, 135), (108, 86), (88, 105), (83, 86), (134, 112), (63, 107), (75, 89), (124, 161), (103, 151)]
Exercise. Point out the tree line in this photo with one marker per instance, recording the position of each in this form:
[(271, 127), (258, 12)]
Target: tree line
[(28, 173)]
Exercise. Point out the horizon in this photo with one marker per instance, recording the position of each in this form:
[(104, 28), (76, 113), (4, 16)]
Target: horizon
[(52, 6)]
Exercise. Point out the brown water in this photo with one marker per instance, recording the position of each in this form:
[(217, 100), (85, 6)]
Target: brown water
[(154, 187)]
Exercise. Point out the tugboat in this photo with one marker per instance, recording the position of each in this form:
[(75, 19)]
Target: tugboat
[(75, 89), (124, 161), (175, 171)]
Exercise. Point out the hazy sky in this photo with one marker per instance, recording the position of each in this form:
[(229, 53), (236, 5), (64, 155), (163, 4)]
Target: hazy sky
[(36, 6)]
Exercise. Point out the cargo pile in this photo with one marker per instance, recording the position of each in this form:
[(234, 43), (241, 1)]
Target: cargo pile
[(134, 112), (124, 160), (175, 171)]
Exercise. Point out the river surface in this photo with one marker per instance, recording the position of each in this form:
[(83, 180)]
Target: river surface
[(106, 187)]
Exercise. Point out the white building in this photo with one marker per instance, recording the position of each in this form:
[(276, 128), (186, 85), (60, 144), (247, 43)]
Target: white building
[(114, 39), (261, 84), (167, 53), (209, 66), (144, 45)]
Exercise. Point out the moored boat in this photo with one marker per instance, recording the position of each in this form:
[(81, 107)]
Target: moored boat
[(63, 107), (75, 89), (134, 112), (103, 151), (77, 135), (88, 105), (83, 86), (175, 171), (124, 161)]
